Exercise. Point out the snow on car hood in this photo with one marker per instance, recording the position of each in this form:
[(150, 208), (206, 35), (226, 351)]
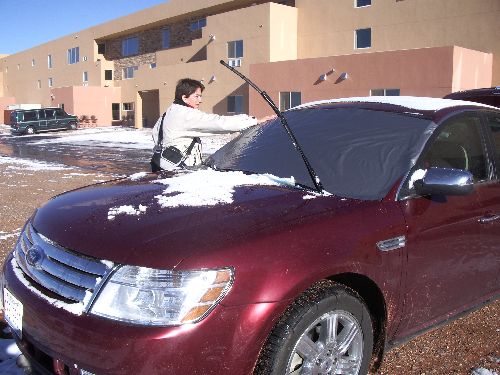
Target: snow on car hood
[(149, 220)]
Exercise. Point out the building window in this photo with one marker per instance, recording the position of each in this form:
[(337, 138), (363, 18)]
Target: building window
[(85, 77), (166, 38), (39, 84), (289, 99), (128, 106), (235, 52), (108, 75), (152, 65), (73, 55), (50, 82), (101, 48), (196, 25), (384, 92), (363, 38), (18, 66), (128, 72), (130, 46), (362, 3), (6, 69), (235, 104), (49, 61), (33, 62)]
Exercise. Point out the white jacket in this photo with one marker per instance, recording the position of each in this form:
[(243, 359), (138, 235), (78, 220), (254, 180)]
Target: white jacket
[(182, 123)]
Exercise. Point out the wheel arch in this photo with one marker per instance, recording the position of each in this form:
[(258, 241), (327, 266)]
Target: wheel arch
[(371, 294)]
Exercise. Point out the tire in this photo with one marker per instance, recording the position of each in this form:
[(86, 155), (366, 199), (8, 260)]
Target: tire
[(30, 130), (72, 126), (303, 341)]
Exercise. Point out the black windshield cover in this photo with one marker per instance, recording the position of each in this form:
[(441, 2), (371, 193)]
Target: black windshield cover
[(357, 153)]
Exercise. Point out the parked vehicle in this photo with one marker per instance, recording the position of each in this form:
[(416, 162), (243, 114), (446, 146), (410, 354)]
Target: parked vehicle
[(39, 120), (490, 96), (246, 266)]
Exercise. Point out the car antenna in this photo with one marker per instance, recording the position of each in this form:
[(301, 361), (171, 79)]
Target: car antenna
[(312, 173)]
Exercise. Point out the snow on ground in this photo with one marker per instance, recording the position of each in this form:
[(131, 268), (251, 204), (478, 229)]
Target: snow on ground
[(124, 138), (8, 355), (30, 165)]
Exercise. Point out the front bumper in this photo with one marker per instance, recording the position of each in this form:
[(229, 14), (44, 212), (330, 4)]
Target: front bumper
[(228, 341)]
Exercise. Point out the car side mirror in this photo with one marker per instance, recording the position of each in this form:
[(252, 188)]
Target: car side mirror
[(445, 181)]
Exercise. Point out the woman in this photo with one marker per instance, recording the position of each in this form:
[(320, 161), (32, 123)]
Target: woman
[(183, 122)]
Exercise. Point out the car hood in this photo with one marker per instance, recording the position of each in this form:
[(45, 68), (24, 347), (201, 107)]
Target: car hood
[(128, 221)]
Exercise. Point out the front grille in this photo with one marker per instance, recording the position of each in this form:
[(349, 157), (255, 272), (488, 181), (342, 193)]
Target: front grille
[(69, 275)]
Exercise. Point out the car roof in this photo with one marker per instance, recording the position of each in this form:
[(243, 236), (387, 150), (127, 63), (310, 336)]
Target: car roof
[(402, 104), (488, 91)]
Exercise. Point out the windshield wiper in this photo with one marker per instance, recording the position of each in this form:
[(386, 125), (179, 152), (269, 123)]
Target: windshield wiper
[(296, 145)]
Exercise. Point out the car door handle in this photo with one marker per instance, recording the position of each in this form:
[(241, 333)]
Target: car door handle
[(489, 219)]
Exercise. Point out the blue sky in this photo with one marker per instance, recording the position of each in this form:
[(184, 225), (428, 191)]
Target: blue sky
[(28, 23)]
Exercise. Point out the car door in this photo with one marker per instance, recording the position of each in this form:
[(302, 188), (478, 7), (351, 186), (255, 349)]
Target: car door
[(490, 200), (42, 122), (50, 118), (447, 266), (61, 119)]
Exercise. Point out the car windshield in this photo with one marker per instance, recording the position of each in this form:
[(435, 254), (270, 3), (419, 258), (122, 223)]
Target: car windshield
[(357, 153)]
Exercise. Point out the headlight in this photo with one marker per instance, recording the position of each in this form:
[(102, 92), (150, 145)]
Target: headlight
[(151, 296)]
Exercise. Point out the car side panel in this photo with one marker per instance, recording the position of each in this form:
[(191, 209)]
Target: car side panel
[(445, 259), (281, 264)]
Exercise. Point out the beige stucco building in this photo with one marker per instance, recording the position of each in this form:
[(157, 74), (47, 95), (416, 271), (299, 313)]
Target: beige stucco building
[(125, 70)]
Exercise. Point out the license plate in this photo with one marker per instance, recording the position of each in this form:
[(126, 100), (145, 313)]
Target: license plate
[(13, 312)]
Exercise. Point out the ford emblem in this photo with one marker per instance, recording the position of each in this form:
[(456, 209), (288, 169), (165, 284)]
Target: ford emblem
[(34, 256)]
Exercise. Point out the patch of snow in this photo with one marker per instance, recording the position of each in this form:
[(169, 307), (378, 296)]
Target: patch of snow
[(483, 371), (127, 210), (7, 235), (209, 187), (31, 165), (8, 356), (137, 176)]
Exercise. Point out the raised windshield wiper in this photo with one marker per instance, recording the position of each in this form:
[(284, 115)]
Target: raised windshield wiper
[(312, 173)]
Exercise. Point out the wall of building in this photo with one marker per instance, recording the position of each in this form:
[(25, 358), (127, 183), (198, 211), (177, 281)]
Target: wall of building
[(81, 100), (326, 27), (419, 72), (4, 103)]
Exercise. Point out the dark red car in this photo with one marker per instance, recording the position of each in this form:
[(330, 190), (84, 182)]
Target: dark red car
[(490, 96), (244, 266)]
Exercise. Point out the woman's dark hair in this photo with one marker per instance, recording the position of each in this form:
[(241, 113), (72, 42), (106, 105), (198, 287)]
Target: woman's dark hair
[(187, 86)]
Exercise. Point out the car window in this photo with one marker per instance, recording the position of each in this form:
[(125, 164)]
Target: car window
[(60, 113), (494, 126), (356, 153), (30, 116), (459, 145), (49, 114), (41, 114)]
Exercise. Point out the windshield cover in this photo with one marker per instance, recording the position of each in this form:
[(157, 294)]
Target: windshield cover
[(356, 153)]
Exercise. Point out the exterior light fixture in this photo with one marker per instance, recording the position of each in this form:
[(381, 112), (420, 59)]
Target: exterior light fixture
[(211, 37), (212, 79)]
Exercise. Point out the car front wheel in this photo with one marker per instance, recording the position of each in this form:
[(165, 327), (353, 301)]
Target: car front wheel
[(72, 126), (327, 330)]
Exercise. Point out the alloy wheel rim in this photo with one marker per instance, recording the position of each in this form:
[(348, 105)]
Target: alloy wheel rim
[(332, 344)]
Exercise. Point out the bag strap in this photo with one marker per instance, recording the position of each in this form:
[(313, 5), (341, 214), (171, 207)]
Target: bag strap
[(193, 142), (160, 133)]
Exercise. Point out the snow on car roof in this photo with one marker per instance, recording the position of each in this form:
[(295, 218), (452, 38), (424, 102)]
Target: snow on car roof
[(413, 102)]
